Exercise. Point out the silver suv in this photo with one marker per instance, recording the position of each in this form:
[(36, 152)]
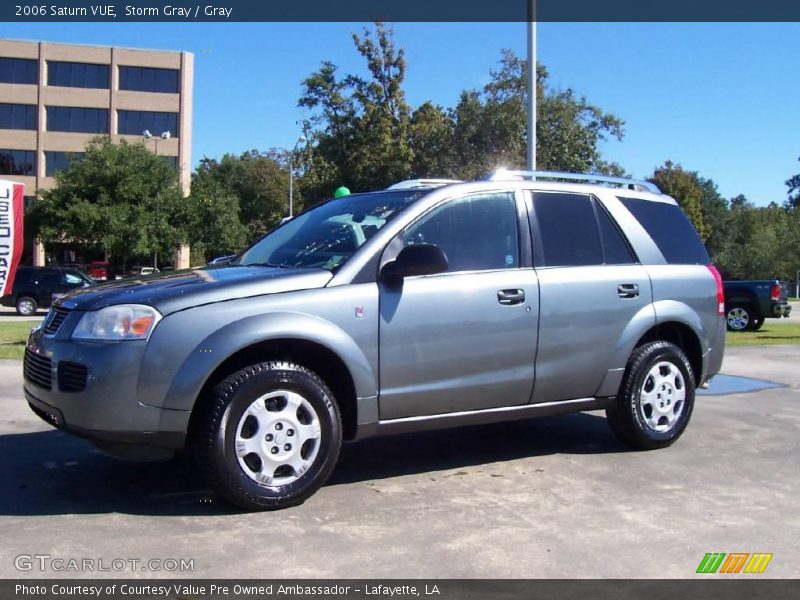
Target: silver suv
[(431, 304)]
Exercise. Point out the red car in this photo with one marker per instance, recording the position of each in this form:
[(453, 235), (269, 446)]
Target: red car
[(100, 271)]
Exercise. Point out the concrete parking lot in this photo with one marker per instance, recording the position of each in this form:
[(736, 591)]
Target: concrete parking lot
[(555, 497)]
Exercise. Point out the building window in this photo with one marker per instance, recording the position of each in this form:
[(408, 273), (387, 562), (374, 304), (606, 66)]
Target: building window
[(18, 162), (77, 120), (18, 70), (17, 116), (135, 122), (172, 161), (146, 79), (58, 161), (79, 75)]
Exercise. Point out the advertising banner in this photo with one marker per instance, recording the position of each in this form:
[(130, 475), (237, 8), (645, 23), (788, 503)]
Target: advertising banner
[(11, 202)]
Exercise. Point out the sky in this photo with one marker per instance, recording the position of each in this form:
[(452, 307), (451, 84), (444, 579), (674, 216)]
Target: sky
[(720, 99)]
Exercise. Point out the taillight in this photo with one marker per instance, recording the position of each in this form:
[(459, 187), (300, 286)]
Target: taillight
[(720, 290), (775, 292)]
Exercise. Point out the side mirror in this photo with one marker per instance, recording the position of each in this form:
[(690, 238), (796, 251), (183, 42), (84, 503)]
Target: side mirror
[(420, 259)]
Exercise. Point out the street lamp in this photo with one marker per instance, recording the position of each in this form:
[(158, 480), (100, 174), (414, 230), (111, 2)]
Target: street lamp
[(300, 140), (164, 136)]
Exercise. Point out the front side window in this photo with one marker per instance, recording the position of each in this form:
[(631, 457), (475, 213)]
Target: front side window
[(78, 75), (476, 232), (72, 279), (328, 235)]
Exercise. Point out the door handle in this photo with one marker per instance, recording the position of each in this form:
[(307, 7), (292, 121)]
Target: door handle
[(509, 297), (628, 290)]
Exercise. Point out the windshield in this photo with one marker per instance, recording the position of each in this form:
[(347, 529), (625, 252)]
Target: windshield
[(328, 235)]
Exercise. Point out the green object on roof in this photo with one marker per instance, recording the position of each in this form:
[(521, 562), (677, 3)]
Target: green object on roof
[(341, 192)]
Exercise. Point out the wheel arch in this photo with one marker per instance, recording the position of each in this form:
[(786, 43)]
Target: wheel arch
[(310, 354), (314, 343)]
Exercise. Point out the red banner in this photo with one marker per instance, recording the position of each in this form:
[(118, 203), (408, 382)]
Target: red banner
[(11, 240)]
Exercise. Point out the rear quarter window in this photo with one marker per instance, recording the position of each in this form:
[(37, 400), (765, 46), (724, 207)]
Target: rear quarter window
[(670, 229)]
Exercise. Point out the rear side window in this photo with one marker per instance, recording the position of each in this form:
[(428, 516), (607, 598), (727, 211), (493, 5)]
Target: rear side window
[(569, 230), (670, 229), (615, 248)]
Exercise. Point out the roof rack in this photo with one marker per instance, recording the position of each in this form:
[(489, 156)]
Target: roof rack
[(631, 184), (410, 184)]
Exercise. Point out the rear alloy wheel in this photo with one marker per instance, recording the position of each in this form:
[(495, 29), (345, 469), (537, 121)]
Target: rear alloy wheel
[(656, 397), (739, 317), (26, 306), (268, 436)]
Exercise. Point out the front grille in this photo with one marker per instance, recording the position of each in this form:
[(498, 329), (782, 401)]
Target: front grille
[(37, 370), (71, 377), (54, 320)]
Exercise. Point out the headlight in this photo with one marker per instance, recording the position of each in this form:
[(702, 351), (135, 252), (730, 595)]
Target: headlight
[(117, 323)]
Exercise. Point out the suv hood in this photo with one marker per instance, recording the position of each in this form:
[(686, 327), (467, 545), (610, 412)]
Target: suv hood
[(184, 289)]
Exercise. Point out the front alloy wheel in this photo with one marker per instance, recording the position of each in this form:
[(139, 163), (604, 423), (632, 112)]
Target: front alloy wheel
[(278, 438)]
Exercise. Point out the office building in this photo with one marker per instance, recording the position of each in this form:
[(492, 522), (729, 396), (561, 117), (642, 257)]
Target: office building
[(55, 97)]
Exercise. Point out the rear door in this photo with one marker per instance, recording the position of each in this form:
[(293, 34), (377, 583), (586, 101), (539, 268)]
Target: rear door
[(466, 339), (591, 288)]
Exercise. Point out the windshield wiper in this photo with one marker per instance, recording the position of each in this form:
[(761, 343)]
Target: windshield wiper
[(269, 264)]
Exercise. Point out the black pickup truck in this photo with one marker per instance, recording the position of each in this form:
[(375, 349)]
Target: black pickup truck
[(748, 303)]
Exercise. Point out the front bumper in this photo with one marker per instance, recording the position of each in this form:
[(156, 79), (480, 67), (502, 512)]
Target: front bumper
[(102, 404)]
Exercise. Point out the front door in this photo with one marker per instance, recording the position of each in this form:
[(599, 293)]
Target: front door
[(466, 339)]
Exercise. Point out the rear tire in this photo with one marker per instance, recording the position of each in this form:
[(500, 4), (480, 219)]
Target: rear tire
[(757, 324), (268, 436), (26, 306), (655, 399), (740, 317)]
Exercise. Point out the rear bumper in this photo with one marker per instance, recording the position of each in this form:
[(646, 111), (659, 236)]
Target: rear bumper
[(779, 309)]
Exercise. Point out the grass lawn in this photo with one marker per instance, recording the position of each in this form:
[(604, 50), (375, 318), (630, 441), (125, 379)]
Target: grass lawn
[(768, 335), (13, 337)]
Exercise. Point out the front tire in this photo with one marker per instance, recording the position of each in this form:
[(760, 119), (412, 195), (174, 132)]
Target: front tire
[(268, 436), (655, 399)]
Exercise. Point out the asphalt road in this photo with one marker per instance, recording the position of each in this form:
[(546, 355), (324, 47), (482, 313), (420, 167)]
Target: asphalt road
[(555, 497)]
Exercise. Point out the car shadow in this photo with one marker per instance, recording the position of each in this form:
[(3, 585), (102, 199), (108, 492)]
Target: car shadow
[(50, 472)]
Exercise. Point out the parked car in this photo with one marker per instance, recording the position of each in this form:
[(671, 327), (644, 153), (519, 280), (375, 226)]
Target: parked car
[(36, 287), (143, 271), (468, 303), (748, 303), (221, 260), (101, 271)]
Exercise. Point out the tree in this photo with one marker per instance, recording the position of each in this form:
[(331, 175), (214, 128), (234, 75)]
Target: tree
[(259, 181), (214, 227), (120, 198), (361, 136), (793, 183), (364, 134)]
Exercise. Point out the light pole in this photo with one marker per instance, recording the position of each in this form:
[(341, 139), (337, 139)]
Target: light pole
[(532, 86), (164, 136), (300, 140)]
